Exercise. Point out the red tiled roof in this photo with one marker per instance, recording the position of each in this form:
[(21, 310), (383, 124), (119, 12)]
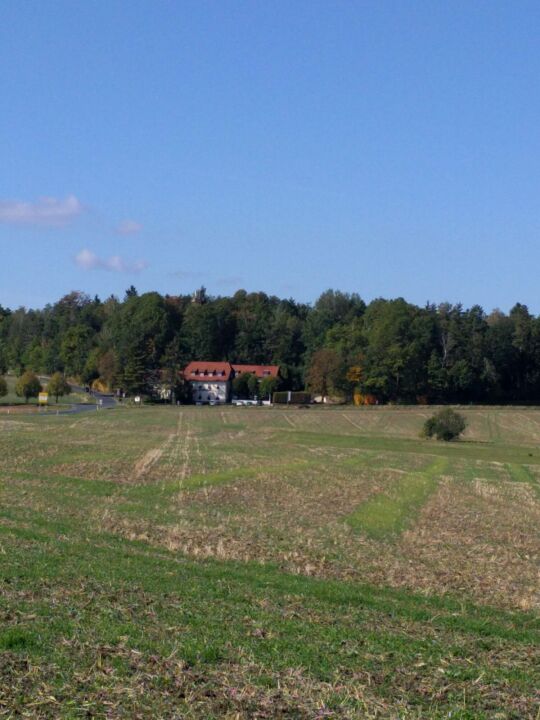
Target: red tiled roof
[(222, 371), (217, 371), (261, 371)]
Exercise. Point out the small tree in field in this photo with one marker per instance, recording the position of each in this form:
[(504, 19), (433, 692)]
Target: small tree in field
[(268, 387), (445, 425), (28, 385), (3, 387), (253, 385), (58, 386)]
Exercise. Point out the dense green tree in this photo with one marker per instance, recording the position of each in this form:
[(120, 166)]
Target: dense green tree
[(33, 357), (253, 385), (200, 337), (325, 373), (28, 385), (75, 348), (135, 372), (241, 385), (138, 331), (253, 314), (58, 386), (268, 386), (395, 351), (331, 308), (90, 371), (3, 387), (284, 334), (107, 366)]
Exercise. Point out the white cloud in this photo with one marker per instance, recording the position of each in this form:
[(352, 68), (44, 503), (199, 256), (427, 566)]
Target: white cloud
[(47, 211), (88, 260), (128, 227)]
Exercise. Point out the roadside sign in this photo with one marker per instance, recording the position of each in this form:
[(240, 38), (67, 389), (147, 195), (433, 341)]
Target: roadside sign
[(43, 398)]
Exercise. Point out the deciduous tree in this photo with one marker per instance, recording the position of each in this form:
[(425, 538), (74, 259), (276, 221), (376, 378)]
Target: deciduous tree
[(240, 385), (28, 385), (268, 387), (325, 372), (58, 386)]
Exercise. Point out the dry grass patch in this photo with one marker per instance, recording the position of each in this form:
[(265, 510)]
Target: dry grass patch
[(482, 540)]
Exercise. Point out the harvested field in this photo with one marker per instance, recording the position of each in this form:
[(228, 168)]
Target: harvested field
[(259, 563)]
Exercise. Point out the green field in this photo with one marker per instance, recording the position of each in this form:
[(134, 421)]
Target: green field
[(269, 563)]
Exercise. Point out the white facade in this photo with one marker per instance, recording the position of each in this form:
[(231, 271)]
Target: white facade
[(209, 390)]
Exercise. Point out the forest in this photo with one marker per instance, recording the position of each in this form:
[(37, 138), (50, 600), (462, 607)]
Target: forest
[(387, 350)]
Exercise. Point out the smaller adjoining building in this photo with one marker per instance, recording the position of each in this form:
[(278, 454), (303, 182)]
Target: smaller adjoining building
[(260, 371), (211, 381)]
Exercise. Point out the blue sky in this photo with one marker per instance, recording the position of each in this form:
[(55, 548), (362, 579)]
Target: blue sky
[(386, 148)]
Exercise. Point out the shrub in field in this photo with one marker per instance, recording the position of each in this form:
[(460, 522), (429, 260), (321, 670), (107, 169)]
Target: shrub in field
[(444, 425), (3, 387), (28, 385)]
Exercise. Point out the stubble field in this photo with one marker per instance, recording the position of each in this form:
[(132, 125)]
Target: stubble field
[(269, 563)]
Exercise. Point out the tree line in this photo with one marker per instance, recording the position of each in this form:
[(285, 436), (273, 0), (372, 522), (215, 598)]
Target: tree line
[(387, 350)]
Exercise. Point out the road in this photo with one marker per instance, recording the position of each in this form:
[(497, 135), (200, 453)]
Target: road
[(104, 401)]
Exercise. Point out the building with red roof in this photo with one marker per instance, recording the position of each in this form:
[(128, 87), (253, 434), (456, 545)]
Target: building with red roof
[(211, 381), (260, 371)]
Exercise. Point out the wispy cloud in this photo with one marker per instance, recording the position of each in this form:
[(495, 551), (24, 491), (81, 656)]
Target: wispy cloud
[(46, 211), (88, 260), (128, 227)]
